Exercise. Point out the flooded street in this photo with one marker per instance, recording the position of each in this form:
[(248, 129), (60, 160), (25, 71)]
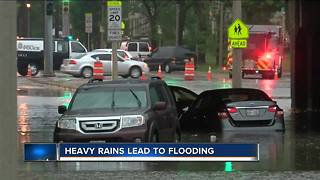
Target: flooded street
[(288, 151)]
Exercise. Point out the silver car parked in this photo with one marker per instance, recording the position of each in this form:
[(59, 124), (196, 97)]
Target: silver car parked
[(82, 65)]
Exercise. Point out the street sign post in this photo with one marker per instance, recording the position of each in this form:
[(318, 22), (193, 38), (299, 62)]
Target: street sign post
[(237, 30), (114, 31), (88, 26)]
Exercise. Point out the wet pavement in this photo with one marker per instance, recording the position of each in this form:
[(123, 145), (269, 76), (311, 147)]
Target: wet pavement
[(292, 152)]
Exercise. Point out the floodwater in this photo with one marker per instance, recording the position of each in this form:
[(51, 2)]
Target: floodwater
[(293, 151)]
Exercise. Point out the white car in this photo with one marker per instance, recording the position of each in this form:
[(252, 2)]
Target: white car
[(83, 65), (124, 54)]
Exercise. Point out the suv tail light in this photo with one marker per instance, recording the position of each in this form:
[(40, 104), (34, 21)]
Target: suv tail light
[(272, 108), (232, 109), (72, 61)]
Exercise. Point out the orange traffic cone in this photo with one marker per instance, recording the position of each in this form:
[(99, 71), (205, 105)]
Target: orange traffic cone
[(209, 74), (159, 74), (29, 74), (143, 76)]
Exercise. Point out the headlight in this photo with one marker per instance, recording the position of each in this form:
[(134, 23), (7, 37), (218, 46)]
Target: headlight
[(67, 123), (131, 121), (145, 65)]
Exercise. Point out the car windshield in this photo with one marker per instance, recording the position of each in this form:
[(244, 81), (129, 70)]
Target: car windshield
[(109, 98)]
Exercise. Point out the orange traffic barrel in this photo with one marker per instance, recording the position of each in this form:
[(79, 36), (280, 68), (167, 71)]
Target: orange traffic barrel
[(98, 70), (189, 71)]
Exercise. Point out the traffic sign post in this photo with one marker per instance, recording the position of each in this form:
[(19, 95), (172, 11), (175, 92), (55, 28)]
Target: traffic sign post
[(88, 26), (114, 31), (238, 33)]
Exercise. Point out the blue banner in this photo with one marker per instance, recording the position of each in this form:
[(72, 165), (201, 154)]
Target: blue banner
[(148, 152), (40, 152)]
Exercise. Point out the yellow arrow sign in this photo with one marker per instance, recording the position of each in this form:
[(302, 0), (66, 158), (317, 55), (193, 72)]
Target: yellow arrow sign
[(238, 30)]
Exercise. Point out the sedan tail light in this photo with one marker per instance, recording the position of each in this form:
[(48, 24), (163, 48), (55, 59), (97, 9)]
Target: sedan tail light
[(232, 109), (272, 108), (72, 61)]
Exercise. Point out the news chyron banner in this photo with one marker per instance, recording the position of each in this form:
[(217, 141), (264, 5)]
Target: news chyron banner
[(140, 152)]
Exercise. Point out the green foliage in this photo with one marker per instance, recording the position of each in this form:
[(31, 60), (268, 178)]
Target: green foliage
[(77, 19), (195, 15), (37, 19)]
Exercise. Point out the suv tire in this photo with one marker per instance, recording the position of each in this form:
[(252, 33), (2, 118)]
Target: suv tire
[(23, 69), (35, 68)]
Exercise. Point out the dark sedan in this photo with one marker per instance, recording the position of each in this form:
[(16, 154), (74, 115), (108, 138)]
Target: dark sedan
[(170, 58), (233, 109)]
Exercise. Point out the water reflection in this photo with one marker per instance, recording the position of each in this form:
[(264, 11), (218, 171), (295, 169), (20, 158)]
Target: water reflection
[(23, 118)]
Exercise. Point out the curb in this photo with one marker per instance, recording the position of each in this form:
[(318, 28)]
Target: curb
[(52, 84)]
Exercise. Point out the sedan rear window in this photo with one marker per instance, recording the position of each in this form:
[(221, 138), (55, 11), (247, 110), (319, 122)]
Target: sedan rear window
[(102, 98), (235, 96), (79, 56)]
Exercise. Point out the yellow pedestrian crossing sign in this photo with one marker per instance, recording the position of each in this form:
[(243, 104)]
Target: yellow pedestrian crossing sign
[(238, 30)]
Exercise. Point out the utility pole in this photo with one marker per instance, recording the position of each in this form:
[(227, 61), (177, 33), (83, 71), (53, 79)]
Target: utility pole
[(221, 32), (177, 23), (65, 18), (8, 111), (48, 40), (237, 53)]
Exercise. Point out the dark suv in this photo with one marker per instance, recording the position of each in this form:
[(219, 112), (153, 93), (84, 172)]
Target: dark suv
[(122, 110)]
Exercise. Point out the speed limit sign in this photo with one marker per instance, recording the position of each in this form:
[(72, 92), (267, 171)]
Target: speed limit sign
[(114, 14)]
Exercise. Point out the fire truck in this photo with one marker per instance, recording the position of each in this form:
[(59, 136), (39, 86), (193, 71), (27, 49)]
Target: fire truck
[(263, 57)]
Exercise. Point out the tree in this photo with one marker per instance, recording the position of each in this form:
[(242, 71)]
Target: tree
[(260, 12), (185, 6), (202, 14), (151, 9)]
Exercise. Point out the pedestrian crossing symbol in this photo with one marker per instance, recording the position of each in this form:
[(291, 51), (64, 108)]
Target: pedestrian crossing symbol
[(238, 33), (238, 30)]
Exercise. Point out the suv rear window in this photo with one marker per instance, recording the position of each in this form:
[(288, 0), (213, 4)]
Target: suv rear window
[(104, 99), (143, 47), (132, 47)]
